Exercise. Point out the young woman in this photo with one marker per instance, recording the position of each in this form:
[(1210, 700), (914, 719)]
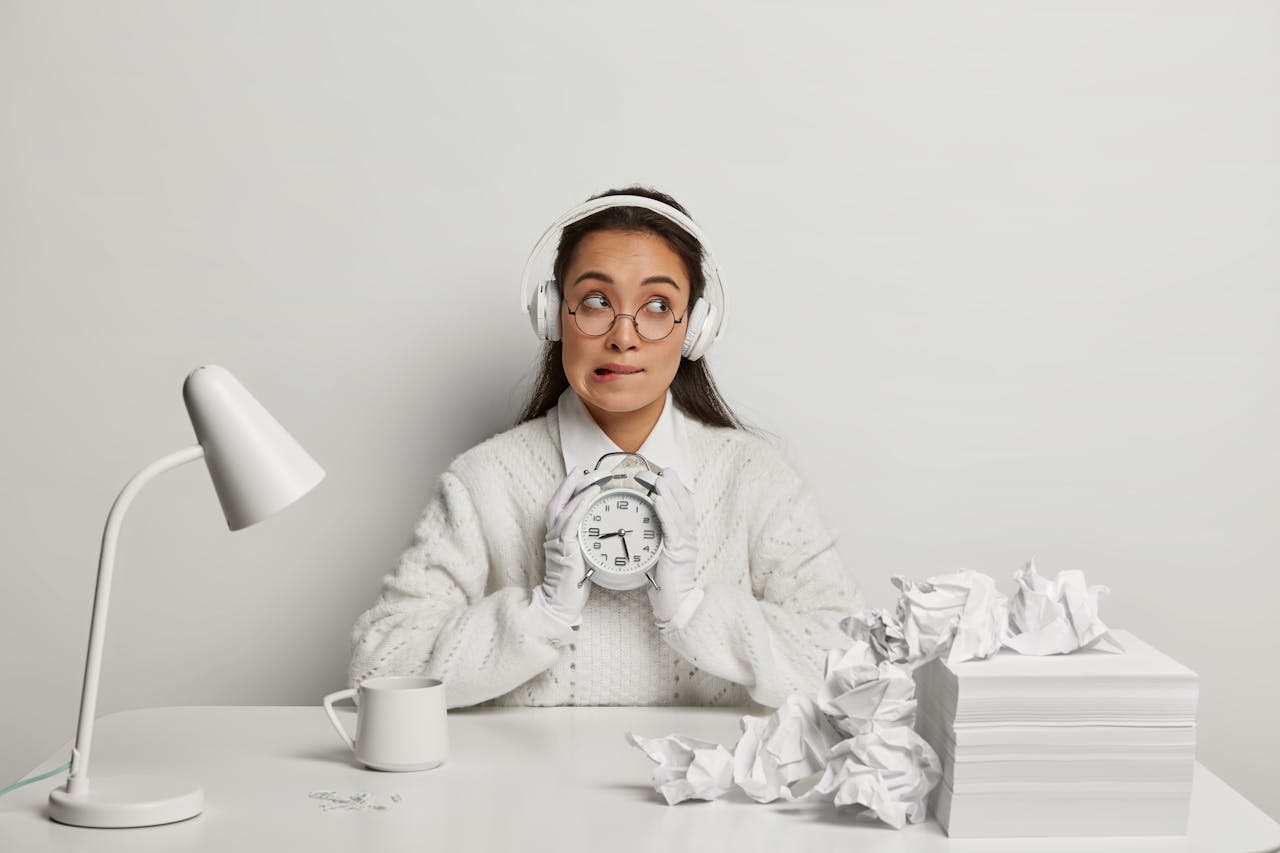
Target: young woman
[(490, 596)]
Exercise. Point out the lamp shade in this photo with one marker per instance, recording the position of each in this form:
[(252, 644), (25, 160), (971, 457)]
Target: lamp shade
[(256, 466)]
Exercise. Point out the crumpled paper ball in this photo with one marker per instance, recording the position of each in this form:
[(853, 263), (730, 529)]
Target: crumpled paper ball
[(688, 768), (1056, 617), (777, 751), (858, 690), (889, 770), (881, 630), (960, 614)]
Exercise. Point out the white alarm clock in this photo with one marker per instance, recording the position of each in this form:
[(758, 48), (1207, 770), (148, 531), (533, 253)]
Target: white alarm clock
[(620, 534)]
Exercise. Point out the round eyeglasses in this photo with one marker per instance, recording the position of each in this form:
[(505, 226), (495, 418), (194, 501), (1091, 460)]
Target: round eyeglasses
[(594, 316)]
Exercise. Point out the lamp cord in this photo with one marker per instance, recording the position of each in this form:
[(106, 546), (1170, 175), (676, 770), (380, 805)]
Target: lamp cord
[(16, 785)]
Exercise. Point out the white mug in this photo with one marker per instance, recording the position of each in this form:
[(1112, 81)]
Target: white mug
[(400, 722)]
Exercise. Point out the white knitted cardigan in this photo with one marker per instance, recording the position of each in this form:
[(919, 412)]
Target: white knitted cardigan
[(457, 605)]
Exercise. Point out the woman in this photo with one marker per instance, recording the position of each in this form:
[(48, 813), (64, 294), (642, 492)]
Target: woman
[(748, 590)]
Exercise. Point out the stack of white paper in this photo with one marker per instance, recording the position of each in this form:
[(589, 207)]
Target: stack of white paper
[(1090, 743)]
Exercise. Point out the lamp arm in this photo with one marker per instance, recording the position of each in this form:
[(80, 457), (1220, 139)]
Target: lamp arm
[(78, 780)]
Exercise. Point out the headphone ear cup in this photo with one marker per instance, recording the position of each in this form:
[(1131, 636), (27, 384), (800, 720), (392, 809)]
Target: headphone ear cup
[(544, 311), (551, 311), (534, 308), (697, 336)]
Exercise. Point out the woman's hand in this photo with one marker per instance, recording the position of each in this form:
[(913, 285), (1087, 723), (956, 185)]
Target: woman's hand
[(678, 594), (562, 593)]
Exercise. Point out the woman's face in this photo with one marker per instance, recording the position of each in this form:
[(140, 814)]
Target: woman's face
[(628, 271)]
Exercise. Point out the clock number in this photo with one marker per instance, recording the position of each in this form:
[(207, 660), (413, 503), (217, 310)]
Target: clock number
[(644, 520), (636, 558), (623, 504), (597, 545), (648, 534), (593, 531), (619, 561), (595, 518)]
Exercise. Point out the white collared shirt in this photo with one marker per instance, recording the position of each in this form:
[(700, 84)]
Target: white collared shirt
[(582, 442)]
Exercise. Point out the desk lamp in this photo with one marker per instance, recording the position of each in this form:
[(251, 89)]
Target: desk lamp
[(257, 470)]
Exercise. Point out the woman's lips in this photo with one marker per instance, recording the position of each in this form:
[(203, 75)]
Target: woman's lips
[(611, 377)]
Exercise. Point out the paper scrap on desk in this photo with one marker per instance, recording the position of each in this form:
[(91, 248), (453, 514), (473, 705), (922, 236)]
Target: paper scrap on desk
[(882, 630), (960, 614), (858, 691), (357, 802), (889, 770), (688, 768), (777, 751), (1058, 616)]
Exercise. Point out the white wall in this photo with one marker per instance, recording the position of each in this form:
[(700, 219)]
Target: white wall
[(1003, 278)]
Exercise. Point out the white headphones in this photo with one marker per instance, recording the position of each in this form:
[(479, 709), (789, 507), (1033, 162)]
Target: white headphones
[(706, 320)]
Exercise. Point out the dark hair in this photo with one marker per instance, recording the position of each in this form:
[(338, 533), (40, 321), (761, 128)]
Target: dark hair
[(693, 389)]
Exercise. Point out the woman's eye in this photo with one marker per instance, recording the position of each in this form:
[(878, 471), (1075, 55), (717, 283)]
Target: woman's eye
[(657, 306), (595, 300)]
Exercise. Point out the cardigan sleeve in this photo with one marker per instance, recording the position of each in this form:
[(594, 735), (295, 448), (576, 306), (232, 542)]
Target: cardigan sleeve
[(433, 617), (773, 638)]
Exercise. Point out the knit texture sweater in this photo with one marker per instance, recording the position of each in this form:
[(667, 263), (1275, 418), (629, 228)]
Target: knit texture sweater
[(457, 605)]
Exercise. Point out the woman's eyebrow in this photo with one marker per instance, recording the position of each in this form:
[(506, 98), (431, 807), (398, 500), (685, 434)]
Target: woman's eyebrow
[(599, 276)]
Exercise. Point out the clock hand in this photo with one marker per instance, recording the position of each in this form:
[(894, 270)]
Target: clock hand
[(625, 549)]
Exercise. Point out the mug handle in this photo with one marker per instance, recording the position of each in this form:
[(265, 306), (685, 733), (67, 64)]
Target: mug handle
[(333, 718)]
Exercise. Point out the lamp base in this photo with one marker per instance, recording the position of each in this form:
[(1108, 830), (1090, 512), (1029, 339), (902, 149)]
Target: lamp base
[(122, 801)]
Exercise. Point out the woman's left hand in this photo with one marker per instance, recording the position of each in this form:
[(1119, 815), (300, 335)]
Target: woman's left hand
[(678, 594)]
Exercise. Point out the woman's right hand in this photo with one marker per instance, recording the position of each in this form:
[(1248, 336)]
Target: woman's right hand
[(561, 592)]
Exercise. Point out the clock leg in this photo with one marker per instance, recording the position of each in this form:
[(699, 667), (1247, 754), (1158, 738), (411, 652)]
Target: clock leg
[(591, 571), (652, 581)]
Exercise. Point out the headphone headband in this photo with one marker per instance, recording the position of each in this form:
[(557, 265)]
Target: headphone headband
[(595, 205)]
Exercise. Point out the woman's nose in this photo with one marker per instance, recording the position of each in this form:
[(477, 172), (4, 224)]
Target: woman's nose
[(624, 332)]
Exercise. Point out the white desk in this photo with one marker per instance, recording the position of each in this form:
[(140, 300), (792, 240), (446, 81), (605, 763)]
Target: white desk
[(511, 775)]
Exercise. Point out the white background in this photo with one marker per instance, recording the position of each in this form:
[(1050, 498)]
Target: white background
[(1003, 278)]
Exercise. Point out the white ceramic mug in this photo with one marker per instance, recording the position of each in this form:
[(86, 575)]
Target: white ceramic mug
[(400, 722)]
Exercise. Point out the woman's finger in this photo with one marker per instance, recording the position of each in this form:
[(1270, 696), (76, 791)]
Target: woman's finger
[(675, 490), (574, 509)]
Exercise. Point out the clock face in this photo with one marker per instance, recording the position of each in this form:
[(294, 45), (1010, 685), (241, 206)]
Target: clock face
[(620, 534)]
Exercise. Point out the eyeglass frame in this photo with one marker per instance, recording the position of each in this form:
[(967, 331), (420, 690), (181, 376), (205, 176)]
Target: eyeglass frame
[(573, 312)]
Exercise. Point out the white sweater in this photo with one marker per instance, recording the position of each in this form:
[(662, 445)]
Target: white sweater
[(457, 605)]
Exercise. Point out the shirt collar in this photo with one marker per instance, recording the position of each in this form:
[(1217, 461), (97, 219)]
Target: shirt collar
[(582, 442)]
